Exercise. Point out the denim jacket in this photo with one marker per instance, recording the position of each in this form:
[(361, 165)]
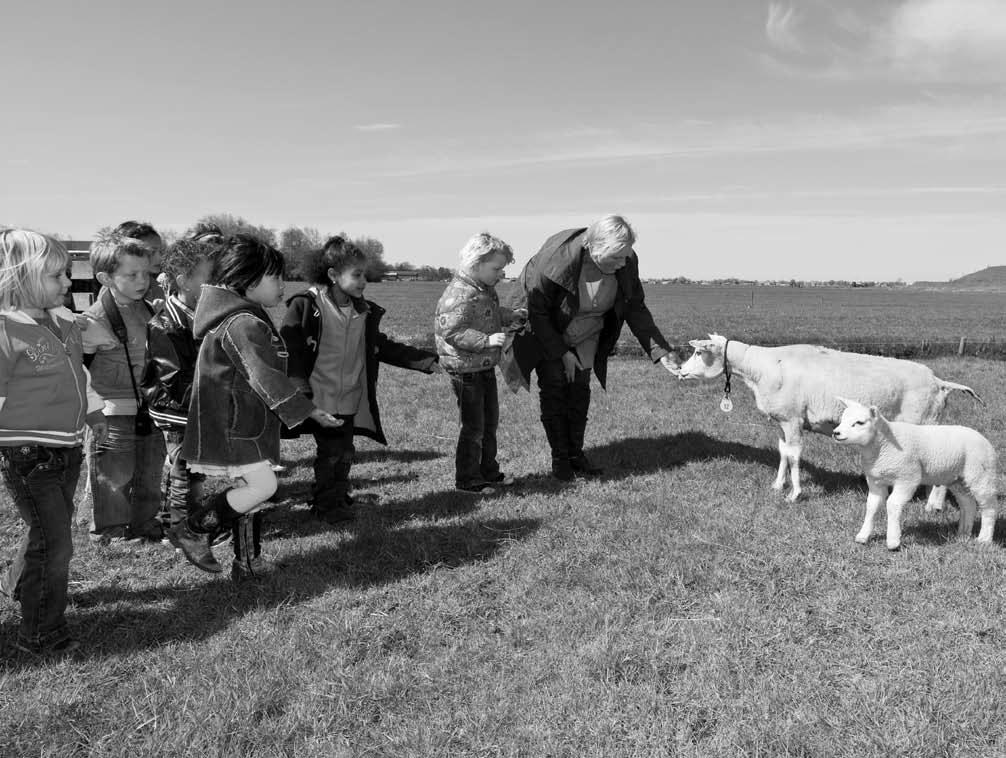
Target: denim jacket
[(241, 391)]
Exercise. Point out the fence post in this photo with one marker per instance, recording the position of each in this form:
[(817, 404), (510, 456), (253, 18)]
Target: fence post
[(960, 347)]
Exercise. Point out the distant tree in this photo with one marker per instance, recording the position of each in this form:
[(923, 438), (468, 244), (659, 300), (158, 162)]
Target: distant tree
[(230, 224), (374, 250), (404, 266), (295, 242)]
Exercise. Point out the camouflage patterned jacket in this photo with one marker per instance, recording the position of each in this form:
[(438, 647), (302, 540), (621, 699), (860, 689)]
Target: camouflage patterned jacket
[(467, 313)]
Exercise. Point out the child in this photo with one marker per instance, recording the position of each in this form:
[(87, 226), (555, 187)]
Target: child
[(469, 336), (126, 467), (240, 395), (171, 364), (45, 401), (145, 233), (335, 349)]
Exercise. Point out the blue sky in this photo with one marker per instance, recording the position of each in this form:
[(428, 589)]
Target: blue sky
[(808, 139)]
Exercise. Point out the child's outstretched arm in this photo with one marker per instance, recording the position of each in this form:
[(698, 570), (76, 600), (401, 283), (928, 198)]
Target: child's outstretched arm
[(246, 340), (405, 356)]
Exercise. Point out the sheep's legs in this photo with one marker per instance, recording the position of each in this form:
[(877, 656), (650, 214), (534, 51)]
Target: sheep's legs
[(968, 506), (970, 502), (937, 498), (901, 493), (789, 457), (878, 493)]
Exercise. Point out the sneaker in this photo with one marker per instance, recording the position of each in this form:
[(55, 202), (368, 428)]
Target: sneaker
[(477, 488), (65, 646), (501, 479), (195, 547)]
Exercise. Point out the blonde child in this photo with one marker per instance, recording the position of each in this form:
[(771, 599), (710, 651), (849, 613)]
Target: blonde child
[(469, 332), (240, 394), (45, 402)]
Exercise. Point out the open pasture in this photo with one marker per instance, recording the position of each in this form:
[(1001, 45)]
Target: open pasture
[(901, 322), (675, 607)]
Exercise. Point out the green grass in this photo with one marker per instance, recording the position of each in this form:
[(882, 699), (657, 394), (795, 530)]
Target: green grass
[(905, 323), (675, 607)]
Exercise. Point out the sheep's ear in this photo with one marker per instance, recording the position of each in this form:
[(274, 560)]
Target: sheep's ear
[(874, 413), (843, 401), (697, 344)]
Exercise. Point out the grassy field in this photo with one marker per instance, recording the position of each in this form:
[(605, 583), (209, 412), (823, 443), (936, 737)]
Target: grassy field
[(675, 607), (900, 322)]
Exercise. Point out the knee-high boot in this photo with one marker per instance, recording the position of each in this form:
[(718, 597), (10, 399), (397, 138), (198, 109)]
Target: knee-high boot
[(248, 561), (557, 432), (579, 405), (193, 534)]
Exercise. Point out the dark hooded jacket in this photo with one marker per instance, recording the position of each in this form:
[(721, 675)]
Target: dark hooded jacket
[(301, 330), (549, 286), (241, 391), (171, 365)]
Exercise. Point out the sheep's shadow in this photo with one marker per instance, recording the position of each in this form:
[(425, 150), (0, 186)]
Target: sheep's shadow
[(116, 620), (635, 455)]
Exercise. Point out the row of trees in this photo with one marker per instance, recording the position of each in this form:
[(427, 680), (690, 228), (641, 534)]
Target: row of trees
[(296, 241)]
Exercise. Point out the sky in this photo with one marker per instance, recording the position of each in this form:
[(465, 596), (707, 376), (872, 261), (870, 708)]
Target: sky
[(807, 139)]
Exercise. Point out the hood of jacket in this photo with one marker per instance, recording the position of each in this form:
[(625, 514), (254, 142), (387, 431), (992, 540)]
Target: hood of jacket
[(217, 304)]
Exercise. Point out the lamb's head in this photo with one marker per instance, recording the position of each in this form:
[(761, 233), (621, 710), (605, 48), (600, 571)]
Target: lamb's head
[(707, 360), (858, 425)]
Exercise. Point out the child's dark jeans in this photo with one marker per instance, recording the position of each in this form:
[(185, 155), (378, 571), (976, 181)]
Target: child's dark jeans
[(332, 464), (184, 487), (41, 481), (478, 404)]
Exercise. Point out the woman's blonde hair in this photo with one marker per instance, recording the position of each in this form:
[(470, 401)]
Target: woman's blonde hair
[(26, 257), (481, 248), (610, 233)]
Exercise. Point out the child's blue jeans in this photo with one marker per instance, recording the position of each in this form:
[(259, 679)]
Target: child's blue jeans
[(126, 472), (41, 481), (478, 403)]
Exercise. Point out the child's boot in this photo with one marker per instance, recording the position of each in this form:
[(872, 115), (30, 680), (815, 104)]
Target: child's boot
[(193, 534), (249, 563)]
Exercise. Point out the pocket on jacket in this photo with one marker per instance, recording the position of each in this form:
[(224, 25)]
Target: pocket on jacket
[(247, 415)]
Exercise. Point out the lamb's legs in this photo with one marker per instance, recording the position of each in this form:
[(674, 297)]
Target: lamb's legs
[(789, 457), (968, 506), (987, 505), (877, 494), (937, 499), (901, 493)]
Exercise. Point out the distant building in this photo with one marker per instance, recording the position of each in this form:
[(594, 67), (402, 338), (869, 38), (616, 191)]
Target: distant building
[(401, 275)]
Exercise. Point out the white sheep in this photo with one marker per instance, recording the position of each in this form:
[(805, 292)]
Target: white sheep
[(902, 456), (796, 386)]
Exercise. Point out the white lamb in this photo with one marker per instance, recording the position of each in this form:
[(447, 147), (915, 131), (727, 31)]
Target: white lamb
[(903, 456), (796, 385)]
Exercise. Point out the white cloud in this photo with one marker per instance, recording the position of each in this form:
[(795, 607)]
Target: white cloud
[(379, 127), (780, 27), (949, 39), (938, 41)]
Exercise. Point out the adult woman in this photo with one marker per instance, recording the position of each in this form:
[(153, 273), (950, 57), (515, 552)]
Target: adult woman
[(580, 288)]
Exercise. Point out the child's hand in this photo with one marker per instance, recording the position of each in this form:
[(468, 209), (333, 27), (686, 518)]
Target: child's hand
[(100, 431), (496, 340), (82, 320), (325, 419)]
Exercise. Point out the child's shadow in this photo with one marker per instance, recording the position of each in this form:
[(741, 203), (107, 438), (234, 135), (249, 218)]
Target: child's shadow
[(115, 620)]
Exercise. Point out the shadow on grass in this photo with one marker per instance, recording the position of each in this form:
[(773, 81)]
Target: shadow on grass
[(636, 455), (382, 455), (114, 621)]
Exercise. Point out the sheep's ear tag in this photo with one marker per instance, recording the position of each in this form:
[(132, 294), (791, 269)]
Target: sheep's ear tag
[(726, 404)]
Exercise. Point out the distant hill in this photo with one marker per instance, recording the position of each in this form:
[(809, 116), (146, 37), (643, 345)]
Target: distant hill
[(991, 278)]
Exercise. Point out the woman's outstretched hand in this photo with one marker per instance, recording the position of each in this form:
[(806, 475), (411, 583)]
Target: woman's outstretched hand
[(672, 364)]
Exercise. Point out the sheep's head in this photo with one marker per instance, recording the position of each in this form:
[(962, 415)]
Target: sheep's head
[(858, 425), (707, 360)]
